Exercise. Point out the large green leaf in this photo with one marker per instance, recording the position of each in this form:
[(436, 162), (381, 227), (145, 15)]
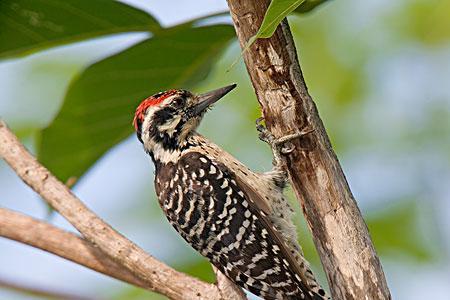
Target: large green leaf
[(100, 103), (30, 25)]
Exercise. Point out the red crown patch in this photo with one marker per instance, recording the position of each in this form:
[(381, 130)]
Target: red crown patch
[(150, 101)]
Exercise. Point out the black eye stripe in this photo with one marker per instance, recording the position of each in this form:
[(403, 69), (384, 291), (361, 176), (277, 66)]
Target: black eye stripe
[(179, 101), (163, 115)]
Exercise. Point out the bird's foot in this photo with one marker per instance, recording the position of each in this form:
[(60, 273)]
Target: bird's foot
[(280, 146)]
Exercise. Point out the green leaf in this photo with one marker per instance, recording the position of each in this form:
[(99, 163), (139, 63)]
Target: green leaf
[(99, 106), (309, 5), (277, 11), (27, 26)]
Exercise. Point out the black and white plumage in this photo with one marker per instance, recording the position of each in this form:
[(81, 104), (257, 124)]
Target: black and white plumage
[(236, 218)]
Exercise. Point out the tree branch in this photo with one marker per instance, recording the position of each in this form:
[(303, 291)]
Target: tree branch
[(44, 236), (340, 234), (157, 276)]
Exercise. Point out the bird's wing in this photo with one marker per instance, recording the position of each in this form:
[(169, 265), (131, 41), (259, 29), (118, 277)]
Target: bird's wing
[(257, 199), (255, 255)]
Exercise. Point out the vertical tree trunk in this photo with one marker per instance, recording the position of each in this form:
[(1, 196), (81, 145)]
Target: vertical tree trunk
[(340, 234)]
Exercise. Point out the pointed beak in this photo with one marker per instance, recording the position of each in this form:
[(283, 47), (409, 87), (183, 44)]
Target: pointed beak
[(207, 99)]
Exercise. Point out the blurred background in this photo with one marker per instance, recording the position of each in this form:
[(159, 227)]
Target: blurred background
[(379, 72)]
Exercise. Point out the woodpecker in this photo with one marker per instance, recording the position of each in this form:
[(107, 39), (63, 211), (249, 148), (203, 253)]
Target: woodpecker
[(238, 219)]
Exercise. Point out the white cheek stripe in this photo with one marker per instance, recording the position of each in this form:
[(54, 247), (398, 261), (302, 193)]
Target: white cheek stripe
[(170, 127), (159, 153)]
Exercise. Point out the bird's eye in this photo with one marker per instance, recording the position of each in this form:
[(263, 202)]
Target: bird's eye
[(178, 102)]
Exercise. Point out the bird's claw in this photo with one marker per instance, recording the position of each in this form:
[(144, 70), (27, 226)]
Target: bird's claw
[(280, 145), (263, 133)]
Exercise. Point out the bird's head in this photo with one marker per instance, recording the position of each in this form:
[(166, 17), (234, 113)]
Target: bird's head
[(164, 121)]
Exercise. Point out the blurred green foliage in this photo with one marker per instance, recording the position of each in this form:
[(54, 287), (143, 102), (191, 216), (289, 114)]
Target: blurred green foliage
[(399, 219), (134, 293), (426, 22), (200, 268)]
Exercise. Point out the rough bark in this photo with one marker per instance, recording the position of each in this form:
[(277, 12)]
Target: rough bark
[(340, 234), (155, 275)]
